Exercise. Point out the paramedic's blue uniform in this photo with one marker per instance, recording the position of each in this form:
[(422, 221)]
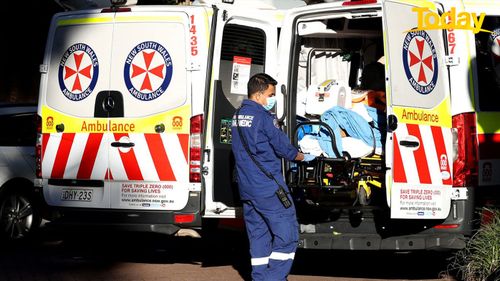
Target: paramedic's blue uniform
[(272, 229)]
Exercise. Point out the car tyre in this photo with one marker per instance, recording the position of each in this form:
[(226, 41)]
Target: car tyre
[(19, 215)]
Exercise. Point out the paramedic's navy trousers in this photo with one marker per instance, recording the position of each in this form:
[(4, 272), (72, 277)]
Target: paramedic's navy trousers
[(273, 235)]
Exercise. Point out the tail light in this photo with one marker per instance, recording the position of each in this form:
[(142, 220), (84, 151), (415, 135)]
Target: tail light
[(38, 147), (195, 148), (465, 165)]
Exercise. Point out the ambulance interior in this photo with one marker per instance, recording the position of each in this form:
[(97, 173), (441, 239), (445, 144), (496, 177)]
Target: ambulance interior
[(331, 58)]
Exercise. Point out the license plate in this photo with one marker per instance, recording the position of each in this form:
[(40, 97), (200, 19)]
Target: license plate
[(76, 195)]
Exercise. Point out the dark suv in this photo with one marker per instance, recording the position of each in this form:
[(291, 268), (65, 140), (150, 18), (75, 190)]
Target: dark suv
[(19, 215)]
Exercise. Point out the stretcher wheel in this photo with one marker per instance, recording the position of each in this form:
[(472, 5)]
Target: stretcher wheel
[(363, 197)]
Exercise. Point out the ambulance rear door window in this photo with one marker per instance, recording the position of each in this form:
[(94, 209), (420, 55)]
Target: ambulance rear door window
[(488, 64), (243, 54)]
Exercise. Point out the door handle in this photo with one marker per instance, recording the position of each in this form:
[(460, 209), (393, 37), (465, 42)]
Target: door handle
[(409, 143), (122, 144)]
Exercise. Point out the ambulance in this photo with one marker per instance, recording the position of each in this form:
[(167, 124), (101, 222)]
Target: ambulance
[(122, 124), (136, 104), (439, 148)]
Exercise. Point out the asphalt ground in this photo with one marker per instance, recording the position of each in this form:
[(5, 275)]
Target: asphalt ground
[(83, 256)]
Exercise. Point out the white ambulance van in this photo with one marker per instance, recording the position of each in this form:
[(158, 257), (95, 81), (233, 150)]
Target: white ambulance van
[(123, 96), (417, 192), (136, 105)]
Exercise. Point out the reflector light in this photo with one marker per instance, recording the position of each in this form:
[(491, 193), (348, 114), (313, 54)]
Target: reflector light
[(446, 226), (184, 218)]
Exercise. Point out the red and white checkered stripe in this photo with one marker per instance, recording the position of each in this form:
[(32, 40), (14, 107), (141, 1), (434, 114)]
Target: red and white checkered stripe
[(428, 164), (155, 157)]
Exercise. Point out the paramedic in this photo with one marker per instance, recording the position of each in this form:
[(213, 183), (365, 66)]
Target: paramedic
[(272, 229)]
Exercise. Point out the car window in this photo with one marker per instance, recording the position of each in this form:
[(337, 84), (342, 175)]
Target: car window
[(18, 130)]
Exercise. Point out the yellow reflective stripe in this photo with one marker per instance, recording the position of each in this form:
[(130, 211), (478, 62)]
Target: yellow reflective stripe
[(149, 18), (438, 116), (175, 121), (280, 16), (76, 21), (482, 3), (420, 3), (85, 20), (207, 16)]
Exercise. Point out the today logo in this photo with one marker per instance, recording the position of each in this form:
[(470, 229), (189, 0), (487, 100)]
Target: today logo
[(428, 20)]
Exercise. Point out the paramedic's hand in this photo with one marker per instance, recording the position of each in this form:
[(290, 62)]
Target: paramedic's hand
[(308, 157)]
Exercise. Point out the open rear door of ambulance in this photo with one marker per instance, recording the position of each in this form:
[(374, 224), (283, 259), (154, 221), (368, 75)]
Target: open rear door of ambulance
[(244, 43), (419, 141)]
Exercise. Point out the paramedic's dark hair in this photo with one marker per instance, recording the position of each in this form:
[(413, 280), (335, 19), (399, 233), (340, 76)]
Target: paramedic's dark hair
[(259, 83), (373, 77)]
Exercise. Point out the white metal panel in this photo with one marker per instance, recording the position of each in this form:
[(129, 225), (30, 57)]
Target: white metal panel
[(78, 62), (149, 63)]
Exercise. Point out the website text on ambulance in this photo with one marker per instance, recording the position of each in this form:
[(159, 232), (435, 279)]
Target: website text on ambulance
[(428, 20)]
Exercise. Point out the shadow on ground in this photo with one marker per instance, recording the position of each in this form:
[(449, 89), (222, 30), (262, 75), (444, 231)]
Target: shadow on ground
[(54, 253)]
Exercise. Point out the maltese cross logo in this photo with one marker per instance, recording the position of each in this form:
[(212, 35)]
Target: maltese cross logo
[(148, 71), (156, 72), (78, 72), (420, 61)]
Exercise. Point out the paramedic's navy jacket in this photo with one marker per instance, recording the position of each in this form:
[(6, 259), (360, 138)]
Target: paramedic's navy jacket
[(267, 143)]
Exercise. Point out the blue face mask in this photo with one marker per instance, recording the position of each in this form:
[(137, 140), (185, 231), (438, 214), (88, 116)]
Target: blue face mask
[(271, 101)]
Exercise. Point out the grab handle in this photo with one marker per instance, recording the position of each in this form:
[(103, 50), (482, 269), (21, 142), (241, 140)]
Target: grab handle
[(122, 144)]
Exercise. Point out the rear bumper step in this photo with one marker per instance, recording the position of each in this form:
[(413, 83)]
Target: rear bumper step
[(346, 241)]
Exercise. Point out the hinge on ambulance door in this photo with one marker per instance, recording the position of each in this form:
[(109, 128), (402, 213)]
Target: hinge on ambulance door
[(44, 68), (204, 170), (451, 60), (193, 66)]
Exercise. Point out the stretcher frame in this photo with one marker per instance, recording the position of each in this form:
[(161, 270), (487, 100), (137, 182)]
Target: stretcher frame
[(339, 181)]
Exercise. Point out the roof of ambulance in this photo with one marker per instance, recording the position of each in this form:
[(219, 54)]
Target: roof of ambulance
[(97, 5)]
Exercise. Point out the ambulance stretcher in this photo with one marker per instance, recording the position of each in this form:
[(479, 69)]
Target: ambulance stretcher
[(348, 178)]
